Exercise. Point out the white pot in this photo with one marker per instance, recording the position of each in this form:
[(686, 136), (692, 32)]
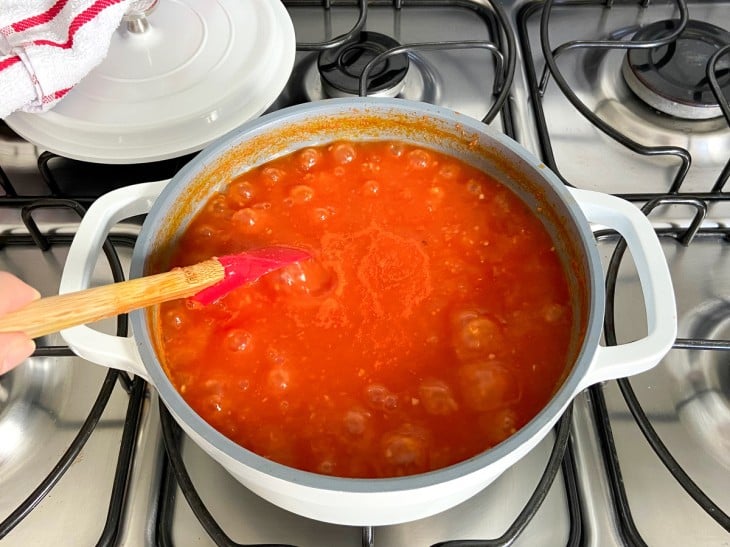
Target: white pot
[(566, 213)]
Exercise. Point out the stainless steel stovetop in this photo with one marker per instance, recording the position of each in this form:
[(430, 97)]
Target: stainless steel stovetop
[(596, 481)]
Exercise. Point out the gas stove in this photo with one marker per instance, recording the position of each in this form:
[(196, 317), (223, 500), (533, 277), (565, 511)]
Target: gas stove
[(614, 97)]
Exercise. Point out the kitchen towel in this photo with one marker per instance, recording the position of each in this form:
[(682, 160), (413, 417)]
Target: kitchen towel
[(48, 46)]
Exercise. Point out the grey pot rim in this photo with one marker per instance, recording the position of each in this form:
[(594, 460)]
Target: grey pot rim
[(550, 412)]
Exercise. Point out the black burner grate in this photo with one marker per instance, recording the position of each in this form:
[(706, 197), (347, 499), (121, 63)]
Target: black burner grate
[(673, 196), (135, 388)]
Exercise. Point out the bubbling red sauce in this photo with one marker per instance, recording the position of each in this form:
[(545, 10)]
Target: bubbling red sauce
[(432, 322)]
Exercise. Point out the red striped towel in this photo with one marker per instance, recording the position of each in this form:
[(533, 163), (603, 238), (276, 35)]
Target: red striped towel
[(48, 46)]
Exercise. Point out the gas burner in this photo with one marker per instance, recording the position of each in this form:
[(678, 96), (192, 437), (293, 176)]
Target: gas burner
[(672, 78), (341, 68)]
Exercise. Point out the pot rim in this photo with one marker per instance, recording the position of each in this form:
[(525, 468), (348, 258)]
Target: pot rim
[(548, 414)]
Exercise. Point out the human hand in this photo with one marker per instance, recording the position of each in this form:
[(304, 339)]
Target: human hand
[(14, 346)]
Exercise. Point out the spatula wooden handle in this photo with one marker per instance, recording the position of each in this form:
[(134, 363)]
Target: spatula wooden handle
[(56, 313)]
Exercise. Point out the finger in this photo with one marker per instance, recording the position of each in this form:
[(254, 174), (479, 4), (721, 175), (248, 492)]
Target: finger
[(14, 293), (14, 348)]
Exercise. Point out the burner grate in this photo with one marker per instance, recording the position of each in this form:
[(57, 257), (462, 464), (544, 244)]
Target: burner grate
[(552, 69), (683, 237), (504, 48), (674, 196), (722, 102), (135, 388), (550, 54)]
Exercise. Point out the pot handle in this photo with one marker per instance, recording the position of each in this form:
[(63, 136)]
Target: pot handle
[(612, 362), (95, 346)]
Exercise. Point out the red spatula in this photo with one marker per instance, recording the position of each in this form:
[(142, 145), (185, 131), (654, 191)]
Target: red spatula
[(205, 282)]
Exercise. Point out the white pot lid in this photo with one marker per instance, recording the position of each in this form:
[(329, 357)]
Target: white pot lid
[(201, 69)]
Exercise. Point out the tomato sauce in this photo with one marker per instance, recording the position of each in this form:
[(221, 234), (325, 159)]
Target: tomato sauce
[(432, 322)]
